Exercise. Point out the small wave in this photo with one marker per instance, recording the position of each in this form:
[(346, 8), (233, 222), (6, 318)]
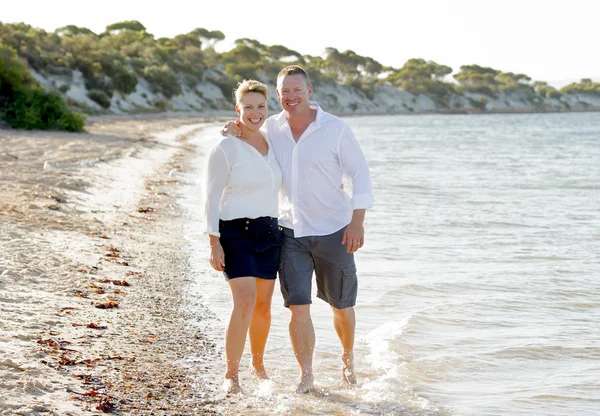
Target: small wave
[(563, 398), (379, 339), (548, 352), (415, 289), (580, 187), (542, 258)]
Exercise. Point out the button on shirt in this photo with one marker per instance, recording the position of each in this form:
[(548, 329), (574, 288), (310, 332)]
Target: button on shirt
[(311, 202), (239, 182)]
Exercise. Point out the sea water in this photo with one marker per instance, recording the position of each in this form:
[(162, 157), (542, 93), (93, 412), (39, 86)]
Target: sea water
[(479, 281)]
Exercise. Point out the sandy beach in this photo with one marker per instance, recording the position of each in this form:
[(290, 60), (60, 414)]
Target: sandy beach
[(92, 271)]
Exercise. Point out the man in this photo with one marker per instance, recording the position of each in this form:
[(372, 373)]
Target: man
[(323, 227)]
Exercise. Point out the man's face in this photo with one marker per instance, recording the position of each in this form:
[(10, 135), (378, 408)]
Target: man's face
[(293, 93)]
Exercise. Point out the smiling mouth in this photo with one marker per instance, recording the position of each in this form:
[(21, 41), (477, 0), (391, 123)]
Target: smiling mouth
[(255, 120)]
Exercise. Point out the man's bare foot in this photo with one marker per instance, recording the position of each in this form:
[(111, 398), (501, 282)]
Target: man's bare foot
[(259, 371), (231, 387), (348, 376), (306, 384)]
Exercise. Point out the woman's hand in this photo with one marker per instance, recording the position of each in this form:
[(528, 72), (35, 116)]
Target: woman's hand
[(217, 257)]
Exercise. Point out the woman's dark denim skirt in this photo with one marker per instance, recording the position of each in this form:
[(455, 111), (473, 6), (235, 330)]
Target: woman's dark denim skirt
[(252, 247)]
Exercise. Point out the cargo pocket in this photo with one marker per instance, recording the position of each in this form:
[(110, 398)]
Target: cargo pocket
[(349, 285)]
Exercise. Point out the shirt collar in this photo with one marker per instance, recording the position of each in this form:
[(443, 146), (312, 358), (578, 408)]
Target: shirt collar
[(322, 116)]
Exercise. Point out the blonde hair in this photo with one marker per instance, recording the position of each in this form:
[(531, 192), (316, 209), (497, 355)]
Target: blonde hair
[(249, 85)]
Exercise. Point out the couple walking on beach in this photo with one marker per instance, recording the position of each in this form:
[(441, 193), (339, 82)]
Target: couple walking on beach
[(275, 205)]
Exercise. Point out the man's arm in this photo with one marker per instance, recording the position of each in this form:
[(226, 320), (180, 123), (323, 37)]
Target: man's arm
[(354, 164)]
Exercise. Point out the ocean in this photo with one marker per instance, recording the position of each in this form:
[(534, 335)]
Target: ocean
[(479, 281)]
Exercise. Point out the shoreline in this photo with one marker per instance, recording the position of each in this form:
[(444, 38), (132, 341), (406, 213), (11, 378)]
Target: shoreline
[(93, 271)]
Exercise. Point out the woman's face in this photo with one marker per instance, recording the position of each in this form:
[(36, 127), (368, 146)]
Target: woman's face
[(252, 109)]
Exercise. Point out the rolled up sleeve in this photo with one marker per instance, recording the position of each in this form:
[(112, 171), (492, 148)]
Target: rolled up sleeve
[(216, 172), (354, 165)]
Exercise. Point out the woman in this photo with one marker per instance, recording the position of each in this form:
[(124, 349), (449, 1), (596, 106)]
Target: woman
[(242, 184)]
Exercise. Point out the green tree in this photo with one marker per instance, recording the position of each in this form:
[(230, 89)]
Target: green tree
[(543, 89), (207, 37), (130, 25), (419, 76), (72, 30), (585, 86), (116, 67)]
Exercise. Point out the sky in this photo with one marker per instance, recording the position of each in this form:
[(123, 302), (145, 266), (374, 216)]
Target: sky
[(553, 40)]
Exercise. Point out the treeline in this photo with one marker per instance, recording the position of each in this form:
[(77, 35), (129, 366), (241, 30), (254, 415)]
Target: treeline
[(115, 60)]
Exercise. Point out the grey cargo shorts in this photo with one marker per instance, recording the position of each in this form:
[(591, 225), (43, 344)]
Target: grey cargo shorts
[(333, 266)]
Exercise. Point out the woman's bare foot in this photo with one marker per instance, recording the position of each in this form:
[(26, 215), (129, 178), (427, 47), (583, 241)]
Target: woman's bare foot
[(231, 387), (348, 376), (306, 384), (259, 371)]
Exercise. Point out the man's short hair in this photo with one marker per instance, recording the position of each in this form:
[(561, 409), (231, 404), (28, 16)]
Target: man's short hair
[(294, 70)]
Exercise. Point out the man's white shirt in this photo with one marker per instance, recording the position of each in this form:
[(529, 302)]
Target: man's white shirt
[(311, 201)]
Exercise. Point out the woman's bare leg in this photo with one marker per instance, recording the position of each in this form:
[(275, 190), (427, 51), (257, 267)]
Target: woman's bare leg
[(243, 293), (260, 325)]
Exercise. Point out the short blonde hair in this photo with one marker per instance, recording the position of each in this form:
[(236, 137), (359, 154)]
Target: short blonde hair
[(249, 85)]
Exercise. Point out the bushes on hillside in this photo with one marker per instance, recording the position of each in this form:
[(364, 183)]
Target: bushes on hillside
[(36, 109), (115, 66), (100, 97), (542, 88), (585, 86), (25, 105), (162, 80)]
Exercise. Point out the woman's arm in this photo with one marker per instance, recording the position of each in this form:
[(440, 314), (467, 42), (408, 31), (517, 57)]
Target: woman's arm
[(216, 173)]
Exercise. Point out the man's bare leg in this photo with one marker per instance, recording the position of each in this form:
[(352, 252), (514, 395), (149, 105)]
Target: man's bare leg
[(344, 322), (302, 335), (260, 326)]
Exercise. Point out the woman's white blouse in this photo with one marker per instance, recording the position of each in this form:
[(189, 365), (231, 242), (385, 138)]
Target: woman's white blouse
[(239, 182)]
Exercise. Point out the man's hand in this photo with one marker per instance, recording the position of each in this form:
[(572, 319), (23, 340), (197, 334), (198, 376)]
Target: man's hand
[(354, 237), (217, 257), (232, 128)]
